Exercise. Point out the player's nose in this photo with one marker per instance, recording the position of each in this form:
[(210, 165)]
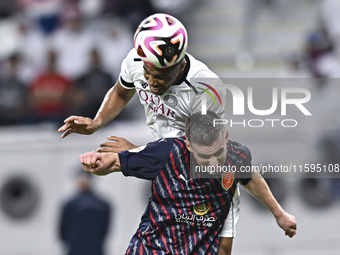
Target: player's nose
[(213, 161), (151, 81)]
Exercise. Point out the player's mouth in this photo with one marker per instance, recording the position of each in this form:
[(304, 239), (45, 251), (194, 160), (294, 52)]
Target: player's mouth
[(155, 89)]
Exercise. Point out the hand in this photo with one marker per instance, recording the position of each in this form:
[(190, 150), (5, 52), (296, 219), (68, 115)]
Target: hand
[(288, 223), (119, 144), (80, 125), (91, 161)]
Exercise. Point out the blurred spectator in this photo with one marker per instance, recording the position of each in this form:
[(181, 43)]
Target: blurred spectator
[(34, 47), (91, 8), (295, 66), (322, 60), (178, 8), (253, 10), (134, 11), (93, 86), (44, 13), (113, 45), (7, 8), (84, 219), (245, 59), (49, 95), (330, 21), (13, 94), (73, 45)]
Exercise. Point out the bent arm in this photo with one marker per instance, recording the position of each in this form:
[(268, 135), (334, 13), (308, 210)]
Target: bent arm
[(100, 163), (260, 190), (114, 102)]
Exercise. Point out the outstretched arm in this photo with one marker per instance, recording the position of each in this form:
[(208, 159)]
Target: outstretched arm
[(260, 190), (100, 163), (114, 102)]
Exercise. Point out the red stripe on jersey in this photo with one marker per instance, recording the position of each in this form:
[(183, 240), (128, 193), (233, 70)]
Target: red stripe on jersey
[(141, 250), (181, 144), (149, 237), (186, 154), (167, 217), (237, 152)]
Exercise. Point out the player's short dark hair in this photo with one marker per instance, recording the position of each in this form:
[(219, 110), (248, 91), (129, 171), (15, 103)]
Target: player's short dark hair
[(200, 129)]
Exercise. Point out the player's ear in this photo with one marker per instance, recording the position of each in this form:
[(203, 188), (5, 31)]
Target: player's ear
[(226, 135), (182, 66), (187, 144)]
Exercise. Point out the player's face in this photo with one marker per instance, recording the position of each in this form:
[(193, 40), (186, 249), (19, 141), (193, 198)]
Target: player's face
[(160, 79), (212, 155)]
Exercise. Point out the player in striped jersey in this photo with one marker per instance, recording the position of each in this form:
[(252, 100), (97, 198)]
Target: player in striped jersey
[(186, 213)]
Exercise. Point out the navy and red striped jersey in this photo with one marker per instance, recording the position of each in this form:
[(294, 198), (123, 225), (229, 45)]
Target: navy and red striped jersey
[(184, 215)]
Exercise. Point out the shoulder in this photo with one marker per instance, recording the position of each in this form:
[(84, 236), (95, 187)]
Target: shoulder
[(161, 143), (198, 69), (102, 202), (167, 146), (70, 202), (131, 69), (132, 57), (238, 152)]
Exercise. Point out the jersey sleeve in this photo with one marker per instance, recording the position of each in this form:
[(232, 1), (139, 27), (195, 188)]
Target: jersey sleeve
[(126, 76), (245, 175), (210, 89), (147, 161)]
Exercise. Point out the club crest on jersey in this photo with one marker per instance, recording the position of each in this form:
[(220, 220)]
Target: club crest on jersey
[(227, 180), (201, 209), (170, 100)]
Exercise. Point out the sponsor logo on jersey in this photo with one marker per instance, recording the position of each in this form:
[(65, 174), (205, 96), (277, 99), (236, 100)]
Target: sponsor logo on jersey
[(200, 217), (227, 180), (170, 100), (201, 209), (156, 104)]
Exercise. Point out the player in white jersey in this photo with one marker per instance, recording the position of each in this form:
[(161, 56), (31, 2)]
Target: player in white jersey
[(159, 70), (165, 113)]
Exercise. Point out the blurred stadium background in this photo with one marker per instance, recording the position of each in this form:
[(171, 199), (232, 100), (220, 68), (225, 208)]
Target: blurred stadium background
[(236, 38)]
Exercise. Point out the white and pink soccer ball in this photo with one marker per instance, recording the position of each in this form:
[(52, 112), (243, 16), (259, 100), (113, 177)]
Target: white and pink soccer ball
[(161, 40)]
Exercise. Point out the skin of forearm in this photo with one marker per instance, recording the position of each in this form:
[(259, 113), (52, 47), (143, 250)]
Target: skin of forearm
[(260, 190), (114, 102)]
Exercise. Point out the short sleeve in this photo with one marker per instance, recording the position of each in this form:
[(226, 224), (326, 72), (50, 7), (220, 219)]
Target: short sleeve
[(125, 77), (246, 176), (147, 161)]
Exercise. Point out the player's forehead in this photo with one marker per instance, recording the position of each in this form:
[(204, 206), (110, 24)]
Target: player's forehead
[(155, 70), (216, 146)]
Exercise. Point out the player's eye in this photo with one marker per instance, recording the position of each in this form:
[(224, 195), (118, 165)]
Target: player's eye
[(219, 152), (203, 156)]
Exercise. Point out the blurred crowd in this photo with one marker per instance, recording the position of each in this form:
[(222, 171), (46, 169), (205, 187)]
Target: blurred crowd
[(321, 56), (60, 57)]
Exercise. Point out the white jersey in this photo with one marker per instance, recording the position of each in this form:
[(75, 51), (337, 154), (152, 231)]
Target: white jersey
[(165, 114)]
